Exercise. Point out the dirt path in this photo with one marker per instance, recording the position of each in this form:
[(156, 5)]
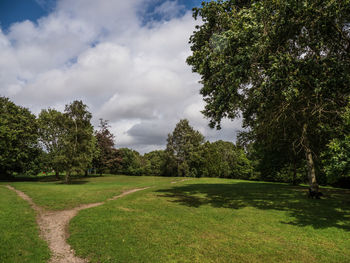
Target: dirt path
[(174, 182), (54, 226)]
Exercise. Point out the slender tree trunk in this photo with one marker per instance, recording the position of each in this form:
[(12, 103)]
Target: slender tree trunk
[(310, 162), (86, 173), (57, 174), (311, 170), (66, 177), (294, 172)]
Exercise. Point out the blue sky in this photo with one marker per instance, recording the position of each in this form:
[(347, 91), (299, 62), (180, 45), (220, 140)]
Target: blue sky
[(126, 59), (12, 11)]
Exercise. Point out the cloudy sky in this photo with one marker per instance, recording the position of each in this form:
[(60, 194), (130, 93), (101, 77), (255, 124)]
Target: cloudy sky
[(124, 59)]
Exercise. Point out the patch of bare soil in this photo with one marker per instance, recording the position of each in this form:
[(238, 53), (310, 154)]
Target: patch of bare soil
[(174, 182), (54, 226)]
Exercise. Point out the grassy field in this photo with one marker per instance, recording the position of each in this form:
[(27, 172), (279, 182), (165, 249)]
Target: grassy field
[(57, 196), (213, 220), (200, 220), (19, 234)]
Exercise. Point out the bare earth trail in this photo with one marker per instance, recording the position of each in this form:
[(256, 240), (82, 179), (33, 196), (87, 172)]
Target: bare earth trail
[(54, 226), (183, 180)]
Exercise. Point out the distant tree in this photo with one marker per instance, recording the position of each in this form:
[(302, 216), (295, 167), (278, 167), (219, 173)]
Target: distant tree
[(212, 162), (155, 163), (107, 154), (79, 141), (52, 136), (279, 64), (224, 159), (131, 162), (18, 138), (182, 144)]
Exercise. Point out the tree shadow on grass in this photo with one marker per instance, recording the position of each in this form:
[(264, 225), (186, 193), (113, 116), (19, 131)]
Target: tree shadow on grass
[(331, 211), (73, 182)]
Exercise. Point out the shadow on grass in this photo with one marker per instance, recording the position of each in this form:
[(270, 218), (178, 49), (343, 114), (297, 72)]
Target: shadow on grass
[(74, 182), (48, 178), (75, 179), (331, 211)]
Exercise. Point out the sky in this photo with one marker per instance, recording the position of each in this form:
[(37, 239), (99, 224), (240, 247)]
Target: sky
[(125, 59)]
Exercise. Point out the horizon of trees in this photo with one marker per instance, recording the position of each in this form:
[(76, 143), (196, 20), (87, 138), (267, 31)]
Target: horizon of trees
[(66, 143)]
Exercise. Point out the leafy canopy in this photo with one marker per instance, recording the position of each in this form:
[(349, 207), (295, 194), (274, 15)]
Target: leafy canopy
[(283, 65), (18, 138)]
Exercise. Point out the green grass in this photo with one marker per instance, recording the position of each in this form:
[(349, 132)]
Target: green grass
[(19, 234), (201, 220), (57, 196), (213, 220)]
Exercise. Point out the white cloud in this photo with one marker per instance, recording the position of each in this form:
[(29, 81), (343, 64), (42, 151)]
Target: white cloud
[(169, 9), (131, 74)]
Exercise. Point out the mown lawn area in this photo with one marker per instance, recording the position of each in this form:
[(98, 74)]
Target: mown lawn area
[(217, 220), (198, 220), (58, 196), (19, 234)]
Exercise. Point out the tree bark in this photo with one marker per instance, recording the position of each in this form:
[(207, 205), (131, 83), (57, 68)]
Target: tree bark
[(294, 172), (311, 170), (86, 173), (66, 177), (310, 162), (57, 174)]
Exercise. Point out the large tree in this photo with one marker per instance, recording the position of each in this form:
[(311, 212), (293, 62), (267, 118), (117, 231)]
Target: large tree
[(18, 138), (79, 141), (130, 162), (182, 147), (107, 154), (68, 138), (52, 134), (284, 65), (155, 163)]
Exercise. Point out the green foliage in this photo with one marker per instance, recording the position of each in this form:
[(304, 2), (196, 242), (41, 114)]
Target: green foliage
[(224, 159), (79, 143), (182, 144), (18, 139), (52, 134), (155, 163), (130, 163), (336, 158), (281, 64), (67, 138), (105, 154)]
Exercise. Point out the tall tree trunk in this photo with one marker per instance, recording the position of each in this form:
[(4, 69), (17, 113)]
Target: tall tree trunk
[(294, 172), (66, 177), (86, 173), (311, 170), (310, 162), (57, 174)]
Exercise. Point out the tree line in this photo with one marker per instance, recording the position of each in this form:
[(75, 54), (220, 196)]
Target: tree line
[(66, 143), (187, 154)]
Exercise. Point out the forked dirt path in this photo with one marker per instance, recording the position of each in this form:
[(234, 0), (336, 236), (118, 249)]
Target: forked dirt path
[(54, 226)]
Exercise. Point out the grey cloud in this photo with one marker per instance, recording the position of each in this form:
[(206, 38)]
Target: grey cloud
[(151, 133)]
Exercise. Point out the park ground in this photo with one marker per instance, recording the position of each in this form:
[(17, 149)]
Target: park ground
[(177, 220)]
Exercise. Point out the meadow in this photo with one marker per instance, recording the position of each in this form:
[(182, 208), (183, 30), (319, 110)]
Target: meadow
[(176, 220)]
